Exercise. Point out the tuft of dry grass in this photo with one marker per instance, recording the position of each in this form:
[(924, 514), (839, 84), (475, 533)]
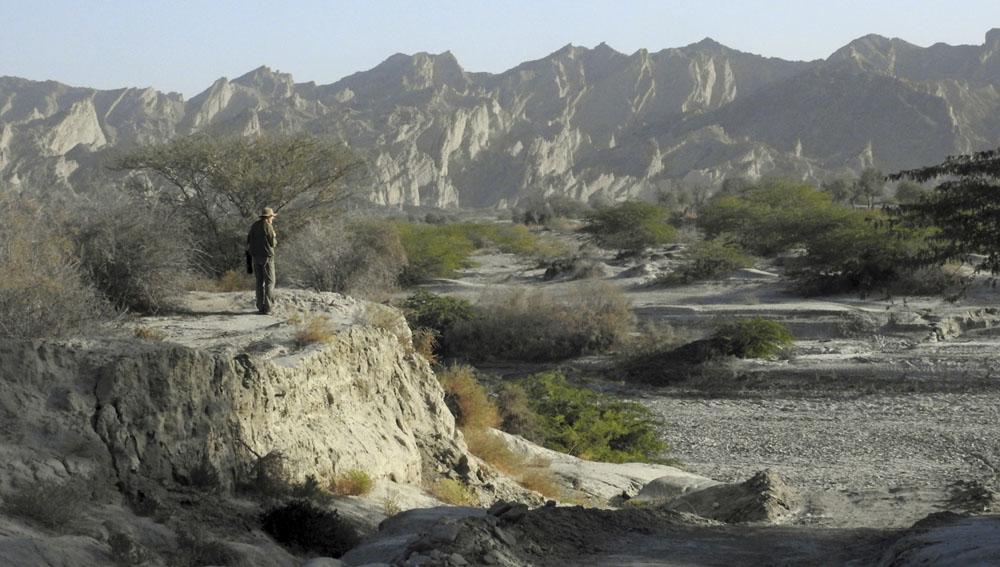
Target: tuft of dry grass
[(390, 504), (315, 329), (492, 449), (453, 492), (354, 482), (233, 280), (149, 334), (388, 319), (467, 399), (539, 478), (533, 475)]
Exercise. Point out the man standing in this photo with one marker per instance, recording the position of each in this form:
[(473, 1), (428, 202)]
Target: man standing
[(261, 241)]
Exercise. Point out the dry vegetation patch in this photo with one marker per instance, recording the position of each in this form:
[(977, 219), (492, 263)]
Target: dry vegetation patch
[(452, 492), (539, 325), (313, 329), (354, 482)]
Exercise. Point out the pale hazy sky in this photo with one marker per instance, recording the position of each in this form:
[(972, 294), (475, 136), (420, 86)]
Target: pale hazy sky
[(184, 45)]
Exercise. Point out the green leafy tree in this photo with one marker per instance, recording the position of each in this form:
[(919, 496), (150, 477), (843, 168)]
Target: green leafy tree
[(863, 251), (630, 227), (772, 217), (908, 192), (963, 210), (840, 190), (870, 186), (709, 259), (218, 184)]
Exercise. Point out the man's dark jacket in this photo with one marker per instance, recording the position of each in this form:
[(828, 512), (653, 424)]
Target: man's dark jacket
[(261, 241)]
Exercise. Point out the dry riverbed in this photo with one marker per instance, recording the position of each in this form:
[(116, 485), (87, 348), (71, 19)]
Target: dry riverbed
[(886, 410)]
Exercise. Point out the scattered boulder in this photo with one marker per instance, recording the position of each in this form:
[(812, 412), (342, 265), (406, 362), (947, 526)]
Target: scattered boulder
[(576, 268), (673, 485), (764, 497), (602, 484), (639, 271)]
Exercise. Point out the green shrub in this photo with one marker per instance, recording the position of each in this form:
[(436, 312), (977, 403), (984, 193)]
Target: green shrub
[(424, 309), (517, 415), (437, 313), (591, 425), (708, 259), (305, 527), (630, 227), (752, 338), (509, 238), (664, 362), (126, 551), (864, 252), (310, 489), (772, 217), (362, 258), (538, 325), (433, 251), (844, 248)]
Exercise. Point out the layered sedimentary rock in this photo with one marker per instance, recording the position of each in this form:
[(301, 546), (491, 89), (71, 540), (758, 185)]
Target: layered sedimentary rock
[(173, 413)]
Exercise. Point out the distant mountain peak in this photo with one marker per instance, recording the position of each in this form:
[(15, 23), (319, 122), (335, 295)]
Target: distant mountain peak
[(993, 38), (707, 42), (267, 80)]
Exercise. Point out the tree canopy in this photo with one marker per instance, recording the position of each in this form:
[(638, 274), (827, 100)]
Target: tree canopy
[(964, 207), (630, 227), (220, 183)]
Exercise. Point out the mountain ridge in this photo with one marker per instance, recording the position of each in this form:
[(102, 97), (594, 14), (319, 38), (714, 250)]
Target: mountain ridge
[(588, 123)]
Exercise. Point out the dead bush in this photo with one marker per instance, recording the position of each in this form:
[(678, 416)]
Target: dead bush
[(467, 399), (43, 292), (135, 255), (196, 549), (540, 325), (425, 343), (268, 476), (232, 280), (360, 258), (49, 503)]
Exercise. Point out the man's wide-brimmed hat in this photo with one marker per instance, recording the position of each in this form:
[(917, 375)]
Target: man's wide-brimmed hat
[(267, 212)]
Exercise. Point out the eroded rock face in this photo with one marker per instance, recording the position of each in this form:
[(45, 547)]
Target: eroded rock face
[(581, 123), (164, 412)]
